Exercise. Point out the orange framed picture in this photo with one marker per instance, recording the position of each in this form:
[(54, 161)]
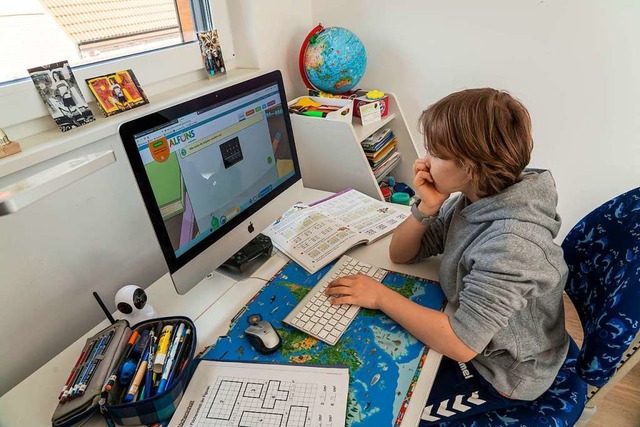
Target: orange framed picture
[(117, 92)]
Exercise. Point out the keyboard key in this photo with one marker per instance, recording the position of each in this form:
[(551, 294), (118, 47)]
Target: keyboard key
[(352, 311)]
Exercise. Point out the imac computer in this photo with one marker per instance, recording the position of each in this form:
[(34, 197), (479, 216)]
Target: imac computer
[(213, 172)]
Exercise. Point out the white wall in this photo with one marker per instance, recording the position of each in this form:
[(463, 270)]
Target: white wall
[(94, 234), (574, 63)]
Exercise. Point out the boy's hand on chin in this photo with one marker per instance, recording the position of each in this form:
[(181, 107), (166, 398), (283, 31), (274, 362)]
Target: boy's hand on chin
[(431, 198)]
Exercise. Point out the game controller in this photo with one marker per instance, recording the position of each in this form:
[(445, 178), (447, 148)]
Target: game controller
[(259, 245)]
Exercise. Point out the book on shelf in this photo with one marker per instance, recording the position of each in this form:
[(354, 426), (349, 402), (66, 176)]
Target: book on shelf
[(314, 235), (383, 169), (383, 155), (381, 152), (377, 140)]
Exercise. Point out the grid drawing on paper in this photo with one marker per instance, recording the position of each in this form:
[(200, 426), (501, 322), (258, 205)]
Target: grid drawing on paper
[(246, 402)]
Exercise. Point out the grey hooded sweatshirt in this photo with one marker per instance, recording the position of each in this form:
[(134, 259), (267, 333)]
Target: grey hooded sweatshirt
[(505, 275)]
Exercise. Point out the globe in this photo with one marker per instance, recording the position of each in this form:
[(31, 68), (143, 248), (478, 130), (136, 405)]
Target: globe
[(332, 59)]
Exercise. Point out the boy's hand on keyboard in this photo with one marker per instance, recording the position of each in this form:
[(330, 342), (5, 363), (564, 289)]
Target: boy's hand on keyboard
[(359, 290)]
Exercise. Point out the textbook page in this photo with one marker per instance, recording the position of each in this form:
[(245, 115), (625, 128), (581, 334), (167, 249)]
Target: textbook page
[(312, 238), (364, 214), (224, 394)]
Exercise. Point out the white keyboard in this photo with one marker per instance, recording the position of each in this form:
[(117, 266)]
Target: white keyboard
[(315, 314)]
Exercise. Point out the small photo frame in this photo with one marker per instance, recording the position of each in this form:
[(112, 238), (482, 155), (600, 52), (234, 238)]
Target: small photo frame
[(211, 53), (59, 90), (117, 92)]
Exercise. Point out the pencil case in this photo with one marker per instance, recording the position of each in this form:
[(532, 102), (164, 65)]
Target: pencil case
[(110, 362)]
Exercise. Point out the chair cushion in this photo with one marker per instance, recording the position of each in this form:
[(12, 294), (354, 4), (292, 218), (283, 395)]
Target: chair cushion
[(603, 255), (561, 405)]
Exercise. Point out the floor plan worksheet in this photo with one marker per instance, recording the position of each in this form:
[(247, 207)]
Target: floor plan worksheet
[(225, 394)]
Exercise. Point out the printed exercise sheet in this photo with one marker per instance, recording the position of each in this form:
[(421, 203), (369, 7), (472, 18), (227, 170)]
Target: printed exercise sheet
[(225, 394), (371, 217)]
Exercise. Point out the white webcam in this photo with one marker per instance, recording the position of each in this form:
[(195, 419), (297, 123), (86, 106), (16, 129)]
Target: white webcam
[(131, 302)]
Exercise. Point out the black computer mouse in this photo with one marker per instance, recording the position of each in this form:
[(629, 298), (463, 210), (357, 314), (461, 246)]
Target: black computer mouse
[(263, 337)]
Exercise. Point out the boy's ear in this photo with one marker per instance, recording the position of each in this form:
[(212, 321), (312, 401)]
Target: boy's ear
[(469, 170)]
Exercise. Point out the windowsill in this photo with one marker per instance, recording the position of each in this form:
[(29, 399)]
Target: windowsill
[(51, 143)]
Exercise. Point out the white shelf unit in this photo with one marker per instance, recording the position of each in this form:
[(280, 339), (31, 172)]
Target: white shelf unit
[(331, 157)]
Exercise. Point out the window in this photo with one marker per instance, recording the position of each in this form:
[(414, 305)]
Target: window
[(37, 32)]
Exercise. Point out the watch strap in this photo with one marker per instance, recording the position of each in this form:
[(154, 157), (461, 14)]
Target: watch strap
[(424, 219)]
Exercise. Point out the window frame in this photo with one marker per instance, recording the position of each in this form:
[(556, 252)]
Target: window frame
[(25, 115)]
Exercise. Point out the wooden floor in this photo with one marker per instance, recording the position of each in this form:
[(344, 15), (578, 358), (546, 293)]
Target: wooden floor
[(621, 406)]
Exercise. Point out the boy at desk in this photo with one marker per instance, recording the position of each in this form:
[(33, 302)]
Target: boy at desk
[(506, 341)]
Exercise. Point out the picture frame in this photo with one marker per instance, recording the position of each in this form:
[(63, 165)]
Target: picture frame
[(60, 93), (117, 92), (211, 53)]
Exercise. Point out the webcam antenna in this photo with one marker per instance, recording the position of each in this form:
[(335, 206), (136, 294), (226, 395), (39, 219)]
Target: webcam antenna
[(104, 308)]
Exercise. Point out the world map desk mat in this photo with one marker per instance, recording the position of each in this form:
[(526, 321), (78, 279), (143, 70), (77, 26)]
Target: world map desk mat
[(384, 360)]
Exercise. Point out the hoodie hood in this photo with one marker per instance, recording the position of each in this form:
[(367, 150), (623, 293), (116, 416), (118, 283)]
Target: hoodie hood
[(533, 199)]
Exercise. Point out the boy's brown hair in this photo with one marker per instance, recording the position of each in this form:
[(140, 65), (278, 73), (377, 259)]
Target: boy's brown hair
[(487, 130)]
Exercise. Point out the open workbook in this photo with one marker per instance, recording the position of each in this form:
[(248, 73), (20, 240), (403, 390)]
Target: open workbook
[(316, 234)]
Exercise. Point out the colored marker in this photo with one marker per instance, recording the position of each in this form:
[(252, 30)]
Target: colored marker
[(85, 369), (313, 113), (96, 360), (170, 358), (163, 345), (75, 369)]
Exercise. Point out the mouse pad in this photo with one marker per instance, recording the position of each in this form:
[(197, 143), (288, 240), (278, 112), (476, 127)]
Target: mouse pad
[(383, 359)]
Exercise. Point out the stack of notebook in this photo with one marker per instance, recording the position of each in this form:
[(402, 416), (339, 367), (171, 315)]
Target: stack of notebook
[(382, 152)]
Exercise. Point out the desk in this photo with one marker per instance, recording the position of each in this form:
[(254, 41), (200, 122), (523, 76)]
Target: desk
[(211, 304)]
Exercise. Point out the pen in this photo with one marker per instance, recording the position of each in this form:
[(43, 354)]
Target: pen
[(179, 355), (152, 349), (108, 385), (170, 358)]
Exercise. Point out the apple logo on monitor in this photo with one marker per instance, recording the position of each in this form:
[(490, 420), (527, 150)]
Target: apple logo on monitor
[(250, 227)]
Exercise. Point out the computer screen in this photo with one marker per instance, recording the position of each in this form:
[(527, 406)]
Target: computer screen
[(213, 172)]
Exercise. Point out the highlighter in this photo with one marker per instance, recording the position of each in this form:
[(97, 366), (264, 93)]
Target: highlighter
[(314, 113), (163, 346)]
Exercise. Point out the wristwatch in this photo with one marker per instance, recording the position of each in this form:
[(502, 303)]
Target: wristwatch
[(424, 220)]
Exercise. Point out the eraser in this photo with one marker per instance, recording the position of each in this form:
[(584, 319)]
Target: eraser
[(126, 372)]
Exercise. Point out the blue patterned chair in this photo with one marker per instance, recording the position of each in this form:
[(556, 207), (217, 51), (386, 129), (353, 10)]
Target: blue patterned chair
[(603, 255)]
